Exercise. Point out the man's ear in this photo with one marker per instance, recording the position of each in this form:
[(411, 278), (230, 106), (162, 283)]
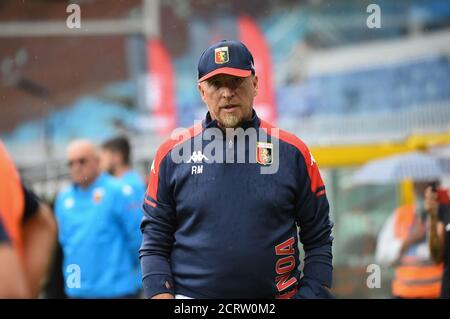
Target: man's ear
[(202, 91), (255, 84)]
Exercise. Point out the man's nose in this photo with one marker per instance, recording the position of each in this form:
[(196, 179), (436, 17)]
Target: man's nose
[(227, 91)]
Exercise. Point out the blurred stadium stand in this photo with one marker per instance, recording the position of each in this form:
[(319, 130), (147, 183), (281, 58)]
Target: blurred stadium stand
[(316, 80)]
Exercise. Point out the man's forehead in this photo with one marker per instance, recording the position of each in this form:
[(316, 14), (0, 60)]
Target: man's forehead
[(81, 149), (107, 151), (75, 153)]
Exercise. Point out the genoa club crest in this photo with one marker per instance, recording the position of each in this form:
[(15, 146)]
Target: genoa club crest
[(221, 55), (264, 153), (98, 195)]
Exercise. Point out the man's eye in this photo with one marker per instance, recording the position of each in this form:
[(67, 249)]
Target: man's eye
[(237, 81)]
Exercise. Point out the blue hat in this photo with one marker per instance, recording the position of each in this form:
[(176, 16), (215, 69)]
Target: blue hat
[(225, 57)]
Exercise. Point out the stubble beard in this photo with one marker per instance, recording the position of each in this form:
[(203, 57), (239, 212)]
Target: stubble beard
[(230, 121)]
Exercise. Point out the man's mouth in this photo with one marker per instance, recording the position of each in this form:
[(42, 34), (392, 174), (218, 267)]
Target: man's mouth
[(231, 107)]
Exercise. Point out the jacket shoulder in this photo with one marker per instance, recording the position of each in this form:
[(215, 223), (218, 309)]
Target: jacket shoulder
[(176, 139), (290, 139)]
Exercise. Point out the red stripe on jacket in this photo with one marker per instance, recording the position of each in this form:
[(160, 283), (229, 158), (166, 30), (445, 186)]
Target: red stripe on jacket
[(164, 149), (311, 165)]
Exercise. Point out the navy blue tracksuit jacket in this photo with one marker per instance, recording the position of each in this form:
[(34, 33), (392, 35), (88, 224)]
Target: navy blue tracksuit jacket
[(224, 230)]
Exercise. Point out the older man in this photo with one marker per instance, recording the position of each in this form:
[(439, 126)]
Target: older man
[(97, 219), (223, 229)]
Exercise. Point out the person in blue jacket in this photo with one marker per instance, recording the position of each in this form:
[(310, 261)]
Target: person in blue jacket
[(215, 226), (115, 158), (97, 218)]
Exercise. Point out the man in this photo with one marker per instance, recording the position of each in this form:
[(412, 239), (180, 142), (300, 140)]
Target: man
[(115, 158), (27, 235), (438, 206), (97, 221), (402, 243), (224, 230)]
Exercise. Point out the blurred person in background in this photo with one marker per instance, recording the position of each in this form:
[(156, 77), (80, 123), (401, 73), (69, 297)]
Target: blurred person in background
[(402, 244), (97, 220), (27, 235), (437, 203), (115, 158), (227, 230)]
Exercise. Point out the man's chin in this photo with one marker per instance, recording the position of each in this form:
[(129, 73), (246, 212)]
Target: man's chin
[(230, 121)]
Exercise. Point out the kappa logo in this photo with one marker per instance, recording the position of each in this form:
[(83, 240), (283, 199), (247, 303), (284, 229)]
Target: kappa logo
[(197, 157)]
